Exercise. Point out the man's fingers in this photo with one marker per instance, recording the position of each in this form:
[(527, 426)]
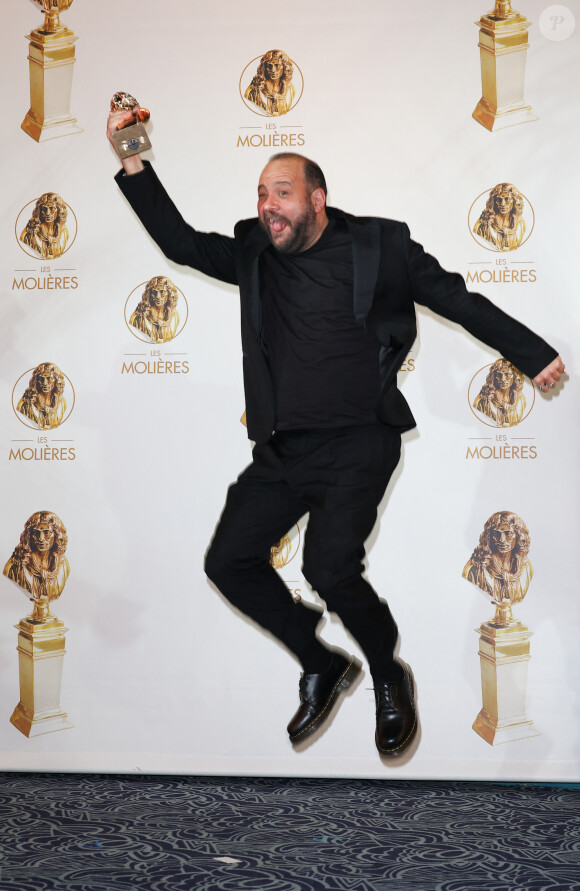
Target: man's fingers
[(549, 376), (119, 119), (548, 382)]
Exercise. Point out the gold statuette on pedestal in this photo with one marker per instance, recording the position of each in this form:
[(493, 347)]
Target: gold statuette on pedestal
[(51, 58), (38, 565), (500, 566), (503, 43)]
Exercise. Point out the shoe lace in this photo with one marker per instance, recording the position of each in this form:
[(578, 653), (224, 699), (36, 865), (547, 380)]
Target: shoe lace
[(384, 696)]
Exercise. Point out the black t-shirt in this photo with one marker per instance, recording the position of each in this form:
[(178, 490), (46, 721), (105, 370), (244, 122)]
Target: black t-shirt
[(324, 365)]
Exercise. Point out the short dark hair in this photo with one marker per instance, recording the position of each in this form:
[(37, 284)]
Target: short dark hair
[(312, 173)]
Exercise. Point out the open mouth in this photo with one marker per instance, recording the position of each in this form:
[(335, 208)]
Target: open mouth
[(276, 224)]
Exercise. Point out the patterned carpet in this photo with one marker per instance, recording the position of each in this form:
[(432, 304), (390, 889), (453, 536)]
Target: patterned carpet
[(107, 833)]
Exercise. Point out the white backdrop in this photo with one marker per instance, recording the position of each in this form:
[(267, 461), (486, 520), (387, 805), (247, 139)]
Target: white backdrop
[(160, 674)]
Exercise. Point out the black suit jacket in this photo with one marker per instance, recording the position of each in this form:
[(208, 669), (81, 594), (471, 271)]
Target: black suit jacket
[(391, 273)]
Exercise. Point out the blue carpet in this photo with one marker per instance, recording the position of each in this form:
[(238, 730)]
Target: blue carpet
[(89, 832)]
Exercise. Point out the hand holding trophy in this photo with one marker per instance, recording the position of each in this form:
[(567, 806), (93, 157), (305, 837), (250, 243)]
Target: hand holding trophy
[(125, 128)]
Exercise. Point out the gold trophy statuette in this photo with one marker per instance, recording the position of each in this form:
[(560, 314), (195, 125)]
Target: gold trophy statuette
[(503, 43), (38, 565), (51, 58), (500, 567), (132, 138)]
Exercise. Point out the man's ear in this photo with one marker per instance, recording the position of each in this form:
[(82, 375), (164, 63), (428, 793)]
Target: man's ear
[(318, 199)]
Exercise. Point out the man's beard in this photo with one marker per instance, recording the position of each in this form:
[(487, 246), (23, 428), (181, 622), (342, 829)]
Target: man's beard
[(301, 231)]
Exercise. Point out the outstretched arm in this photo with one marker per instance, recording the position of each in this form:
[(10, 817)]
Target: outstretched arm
[(208, 252), (446, 294)]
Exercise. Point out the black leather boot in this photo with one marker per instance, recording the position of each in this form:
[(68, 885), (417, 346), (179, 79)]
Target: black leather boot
[(319, 692), (396, 713)]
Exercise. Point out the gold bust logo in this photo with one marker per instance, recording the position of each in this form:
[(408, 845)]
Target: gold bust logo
[(500, 395), (499, 565), (46, 227), (271, 84), (154, 316), (286, 549), (38, 564), (42, 405), (501, 219)]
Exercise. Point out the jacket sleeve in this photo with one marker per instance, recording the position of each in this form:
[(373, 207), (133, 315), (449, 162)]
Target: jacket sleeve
[(208, 252), (446, 294)]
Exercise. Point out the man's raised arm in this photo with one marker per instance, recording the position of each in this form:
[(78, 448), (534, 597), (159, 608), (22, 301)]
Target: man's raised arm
[(210, 253)]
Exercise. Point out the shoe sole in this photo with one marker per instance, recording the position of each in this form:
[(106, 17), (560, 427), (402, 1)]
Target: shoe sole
[(398, 750), (348, 677)]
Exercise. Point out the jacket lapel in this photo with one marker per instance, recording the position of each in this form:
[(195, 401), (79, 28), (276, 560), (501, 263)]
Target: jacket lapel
[(366, 253), (366, 256), (254, 245)]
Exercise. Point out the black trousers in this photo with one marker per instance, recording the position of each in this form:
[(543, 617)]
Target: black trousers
[(339, 476)]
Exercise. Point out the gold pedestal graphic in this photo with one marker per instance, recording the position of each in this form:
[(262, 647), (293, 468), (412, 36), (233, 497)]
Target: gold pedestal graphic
[(39, 567), (503, 43), (51, 58), (500, 566), (40, 659), (504, 653)]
